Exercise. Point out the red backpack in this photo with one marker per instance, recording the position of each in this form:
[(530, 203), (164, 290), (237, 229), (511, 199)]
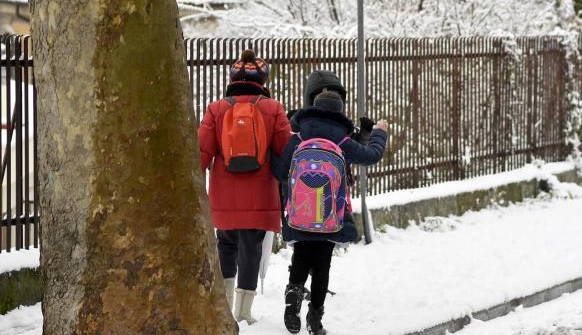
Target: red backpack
[(244, 136)]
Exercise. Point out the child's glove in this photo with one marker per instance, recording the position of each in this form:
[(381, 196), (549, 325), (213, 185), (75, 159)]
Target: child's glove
[(363, 135), (367, 124)]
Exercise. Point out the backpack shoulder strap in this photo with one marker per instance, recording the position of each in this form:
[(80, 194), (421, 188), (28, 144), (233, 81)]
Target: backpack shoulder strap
[(230, 100), (256, 99), (343, 141)]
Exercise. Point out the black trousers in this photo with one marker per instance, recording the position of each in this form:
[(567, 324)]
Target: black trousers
[(239, 252), (314, 255)]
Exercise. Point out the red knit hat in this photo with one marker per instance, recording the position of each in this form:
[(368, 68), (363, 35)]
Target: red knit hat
[(250, 68)]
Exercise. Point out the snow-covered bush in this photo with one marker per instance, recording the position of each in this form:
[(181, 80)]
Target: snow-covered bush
[(573, 101), (394, 18)]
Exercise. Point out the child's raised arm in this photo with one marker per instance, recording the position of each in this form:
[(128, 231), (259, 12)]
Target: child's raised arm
[(369, 154)]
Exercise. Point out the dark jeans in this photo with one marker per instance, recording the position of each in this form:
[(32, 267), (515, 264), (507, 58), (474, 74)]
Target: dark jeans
[(239, 251), (314, 255)]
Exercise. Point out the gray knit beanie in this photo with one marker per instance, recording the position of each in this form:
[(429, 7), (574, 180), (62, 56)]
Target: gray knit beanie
[(329, 101)]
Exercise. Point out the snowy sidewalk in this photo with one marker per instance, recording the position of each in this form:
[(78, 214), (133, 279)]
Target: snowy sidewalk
[(409, 280), (413, 279)]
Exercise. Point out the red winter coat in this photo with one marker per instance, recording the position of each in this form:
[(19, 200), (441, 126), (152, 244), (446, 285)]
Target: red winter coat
[(243, 200)]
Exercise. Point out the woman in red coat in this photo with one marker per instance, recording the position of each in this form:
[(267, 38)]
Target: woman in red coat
[(244, 205)]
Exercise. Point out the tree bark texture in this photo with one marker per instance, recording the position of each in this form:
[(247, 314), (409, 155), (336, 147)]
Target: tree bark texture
[(126, 244)]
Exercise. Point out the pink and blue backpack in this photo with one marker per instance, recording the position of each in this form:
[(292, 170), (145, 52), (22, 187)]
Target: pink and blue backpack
[(317, 192)]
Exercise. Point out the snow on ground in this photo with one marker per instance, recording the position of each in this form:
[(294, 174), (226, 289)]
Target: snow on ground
[(408, 280), (22, 321), (414, 278), (15, 260)]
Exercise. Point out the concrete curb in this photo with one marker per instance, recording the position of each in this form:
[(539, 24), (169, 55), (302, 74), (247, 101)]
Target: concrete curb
[(505, 308)]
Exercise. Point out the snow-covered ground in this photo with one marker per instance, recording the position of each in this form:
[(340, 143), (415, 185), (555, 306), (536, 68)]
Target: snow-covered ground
[(436, 270)]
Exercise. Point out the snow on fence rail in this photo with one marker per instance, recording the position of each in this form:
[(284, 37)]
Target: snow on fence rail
[(458, 107)]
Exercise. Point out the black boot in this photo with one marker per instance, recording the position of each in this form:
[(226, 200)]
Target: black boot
[(314, 326), (292, 316)]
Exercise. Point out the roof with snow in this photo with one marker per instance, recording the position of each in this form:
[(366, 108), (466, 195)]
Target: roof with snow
[(18, 2)]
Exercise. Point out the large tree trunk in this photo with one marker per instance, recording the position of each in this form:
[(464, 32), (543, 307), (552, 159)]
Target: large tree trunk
[(126, 243)]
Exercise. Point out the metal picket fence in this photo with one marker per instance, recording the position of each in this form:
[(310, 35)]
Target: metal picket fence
[(19, 226), (458, 107)]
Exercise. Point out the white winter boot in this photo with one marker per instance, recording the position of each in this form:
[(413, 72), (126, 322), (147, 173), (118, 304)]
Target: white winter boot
[(243, 304), (229, 288)]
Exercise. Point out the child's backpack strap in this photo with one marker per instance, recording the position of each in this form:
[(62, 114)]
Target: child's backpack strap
[(343, 141), (231, 100), (338, 144)]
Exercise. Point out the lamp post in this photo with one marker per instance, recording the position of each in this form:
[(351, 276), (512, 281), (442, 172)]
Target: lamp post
[(361, 81)]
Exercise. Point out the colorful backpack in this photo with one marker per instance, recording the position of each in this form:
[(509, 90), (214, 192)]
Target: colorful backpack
[(244, 136), (317, 187)]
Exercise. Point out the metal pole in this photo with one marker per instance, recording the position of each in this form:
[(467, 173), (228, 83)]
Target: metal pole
[(361, 80)]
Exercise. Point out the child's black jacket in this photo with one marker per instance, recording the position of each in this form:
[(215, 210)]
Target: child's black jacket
[(335, 126)]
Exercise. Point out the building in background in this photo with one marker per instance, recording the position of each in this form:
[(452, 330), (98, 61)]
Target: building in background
[(15, 14), (14, 17)]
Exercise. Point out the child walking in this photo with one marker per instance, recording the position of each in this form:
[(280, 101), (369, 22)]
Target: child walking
[(242, 218), (313, 250)]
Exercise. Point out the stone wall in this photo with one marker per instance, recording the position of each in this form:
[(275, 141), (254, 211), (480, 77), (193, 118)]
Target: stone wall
[(19, 288)]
